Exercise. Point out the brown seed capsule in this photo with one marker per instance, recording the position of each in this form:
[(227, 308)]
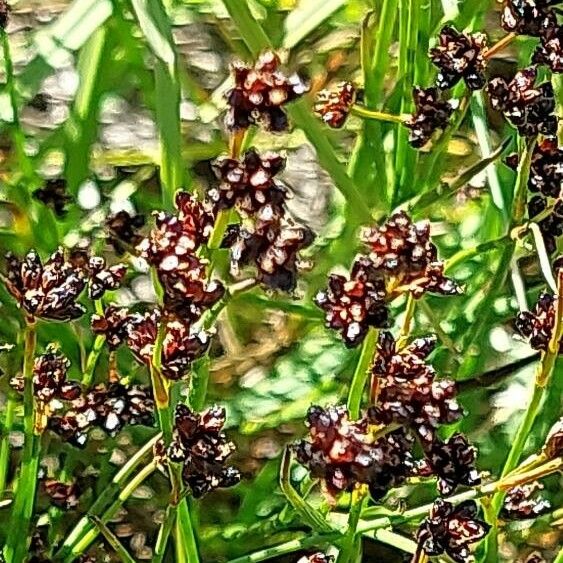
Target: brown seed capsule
[(432, 112), (248, 183), (199, 442), (354, 305), (460, 56), (536, 326), (102, 278), (47, 290), (259, 94), (527, 17), (553, 446), (113, 324), (342, 453), (62, 495), (123, 231), (451, 529), (406, 257), (522, 502), (550, 50), (528, 107), (333, 105), (54, 195), (50, 377)]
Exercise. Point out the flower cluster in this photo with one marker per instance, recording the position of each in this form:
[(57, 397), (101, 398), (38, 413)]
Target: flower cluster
[(545, 183), (199, 442), (451, 529), (407, 392), (123, 231), (528, 107), (536, 326), (316, 558), (260, 92), (333, 105), (54, 195), (62, 495), (343, 452), (521, 502), (401, 259), (181, 344), (107, 406), (113, 324), (528, 17)]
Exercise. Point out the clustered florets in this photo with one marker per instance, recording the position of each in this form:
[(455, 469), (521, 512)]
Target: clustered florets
[(260, 92), (107, 406), (123, 231), (333, 105), (343, 452), (451, 529), (459, 56), (528, 107), (316, 558), (407, 391), (401, 259), (522, 502), (528, 17), (536, 326), (54, 195), (62, 495), (200, 444)]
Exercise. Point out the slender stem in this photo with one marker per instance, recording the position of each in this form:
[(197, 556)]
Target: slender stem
[(542, 256), (164, 533), (559, 558), (468, 253), (352, 544), (362, 111), (499, 45), (5, 447), (22, 511), (407, 321), (92, 360), (361, 373), (112, 540), (106, 497), (84, 543)]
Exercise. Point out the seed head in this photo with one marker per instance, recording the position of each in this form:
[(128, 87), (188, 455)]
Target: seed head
[(333, 105), (123, 231), (527, 17), (62, 495), (550, 50), (451, 529), (536, 326), (112, 324), (522, 502), (259, 94), (102, 278), (316, 558), (459, 56), (53, 194)]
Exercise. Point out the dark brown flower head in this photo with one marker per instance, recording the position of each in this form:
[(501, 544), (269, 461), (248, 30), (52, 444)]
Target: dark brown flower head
[(102, 278), (536, 326), (113, 324), (451, 529), (259, 94), (49, 290), (460, 56), (49, 377), (333, 105), (522, 502), (181, 346), (4, 14), (527, 17), (453, 462), (550, 50), (248, 183), (354, 305), (528, 107), (109, 407), (272, 244), (62, 495), (199, 442), (316, 558), (342, 453), (175, 236), (432, 112), (123, 231), (407, 390), (187, 293), (54, 195), (404, 254), (553, 446)]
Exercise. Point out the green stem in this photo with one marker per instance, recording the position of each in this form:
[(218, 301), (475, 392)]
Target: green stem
[(361, 373), (86, 541), (559, 558), (5, 447), (22, 511), (112, 540), (92, 360), (164, 533), (362, 111), (352, 544), (106, 497)]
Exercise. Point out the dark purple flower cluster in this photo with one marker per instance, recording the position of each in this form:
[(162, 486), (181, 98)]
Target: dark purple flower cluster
[(343, 453), (522, 502), (123, 231), (260, 92), (107, 406), (451, 529), (54, 195), (200, 444), (62, 495), (316, 558), (528, 17), (528, 107), (536, 326), (402, 259), (333, 105)]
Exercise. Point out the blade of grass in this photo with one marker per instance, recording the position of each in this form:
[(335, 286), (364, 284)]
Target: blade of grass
[(111, 538), (157, 30)]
